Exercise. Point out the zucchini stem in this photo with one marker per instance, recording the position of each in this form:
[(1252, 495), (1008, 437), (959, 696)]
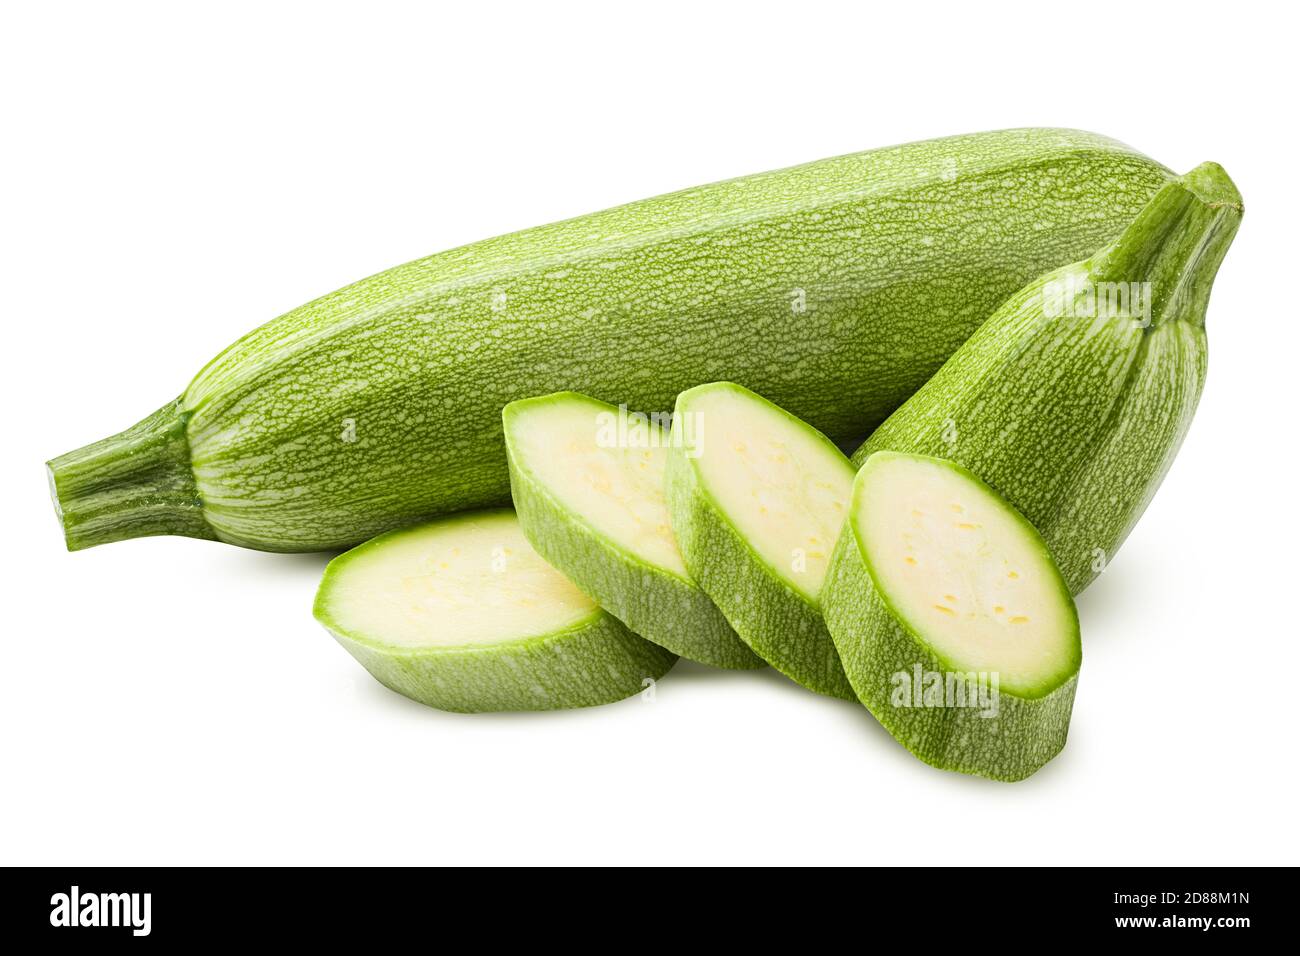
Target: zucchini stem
[(1176, 244), (136, 483)]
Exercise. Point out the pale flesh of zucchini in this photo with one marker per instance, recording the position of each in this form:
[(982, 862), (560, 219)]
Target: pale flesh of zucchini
[(964, 571), (784, 486), (616, 483), (462, 614), (469, 582)]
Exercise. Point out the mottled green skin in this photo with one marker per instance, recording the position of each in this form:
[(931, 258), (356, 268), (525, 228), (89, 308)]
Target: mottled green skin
[(1076, 420), (778, 621), (596, 661), (835, 288), (654, 602), (875, 643)]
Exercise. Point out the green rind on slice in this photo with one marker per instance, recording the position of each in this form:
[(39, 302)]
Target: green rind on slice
[(463, 615), (757, 498), (935, 574), (587, 481)]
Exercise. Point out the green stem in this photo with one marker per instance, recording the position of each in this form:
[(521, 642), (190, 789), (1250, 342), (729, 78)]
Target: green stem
[(136, 483), (1176, 244)]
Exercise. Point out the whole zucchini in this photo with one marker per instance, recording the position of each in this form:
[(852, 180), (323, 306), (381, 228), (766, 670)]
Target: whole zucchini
[(835, 289)]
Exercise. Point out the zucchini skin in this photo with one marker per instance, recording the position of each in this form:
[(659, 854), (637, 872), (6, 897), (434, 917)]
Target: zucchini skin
[(835, 288), (597, 661)]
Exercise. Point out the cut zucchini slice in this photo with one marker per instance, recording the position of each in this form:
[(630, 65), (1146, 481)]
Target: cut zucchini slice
[(757, 498), (588, 484), (955, 627), (462, 614)]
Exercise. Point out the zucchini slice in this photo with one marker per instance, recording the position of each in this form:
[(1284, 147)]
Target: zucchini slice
[(463, 615), (757, 499), (955, 626), (588, 484)]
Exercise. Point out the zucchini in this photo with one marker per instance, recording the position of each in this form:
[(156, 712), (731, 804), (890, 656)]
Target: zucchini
[(956, 629), (1073, 399), (588, 484), (463, 615), (757, 499), (835, 288)]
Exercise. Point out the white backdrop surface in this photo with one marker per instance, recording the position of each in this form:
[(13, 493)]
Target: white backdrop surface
[(174, 176)]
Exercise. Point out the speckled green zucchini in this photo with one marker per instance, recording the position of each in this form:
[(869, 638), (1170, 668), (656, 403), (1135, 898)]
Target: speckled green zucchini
[(757, 499), (463, 615), (955, 627), (1073, 399), (835, 288), (588, 485)]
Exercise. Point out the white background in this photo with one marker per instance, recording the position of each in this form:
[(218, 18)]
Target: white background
[(175, 175)]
